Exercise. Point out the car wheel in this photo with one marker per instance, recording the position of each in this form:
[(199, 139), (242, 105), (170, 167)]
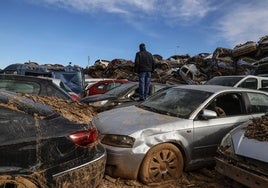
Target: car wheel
[(161, 164), (16, 182)]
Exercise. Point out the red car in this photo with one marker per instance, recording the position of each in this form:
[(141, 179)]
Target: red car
[(102, 86)]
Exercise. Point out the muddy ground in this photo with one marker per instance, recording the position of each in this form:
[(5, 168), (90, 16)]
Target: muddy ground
[(203, 178)]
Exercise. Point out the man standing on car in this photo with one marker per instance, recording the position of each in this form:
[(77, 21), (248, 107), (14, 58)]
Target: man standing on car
[(144, 66)]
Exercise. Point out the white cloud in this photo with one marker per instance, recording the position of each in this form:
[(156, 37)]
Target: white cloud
[(110, 6), (246, 22), (194, 8), (173, 9), (236, 22)]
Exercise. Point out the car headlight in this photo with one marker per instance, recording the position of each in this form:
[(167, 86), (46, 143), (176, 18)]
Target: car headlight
[(118, 140), (227, 144), (98, 103)]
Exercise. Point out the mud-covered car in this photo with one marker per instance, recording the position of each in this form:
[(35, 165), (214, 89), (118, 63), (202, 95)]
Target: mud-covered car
[(176, 129), (33, 85), (41, 148), (123, 95), (242, 155)]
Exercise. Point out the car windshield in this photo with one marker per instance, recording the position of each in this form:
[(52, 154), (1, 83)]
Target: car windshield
[(176, 102), (120, 89), (224, 81)]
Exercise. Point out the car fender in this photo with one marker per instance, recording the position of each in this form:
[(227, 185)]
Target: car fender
[(179, 139)]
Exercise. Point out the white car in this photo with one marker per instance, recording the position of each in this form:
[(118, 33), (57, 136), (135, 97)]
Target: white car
[(245, 81)]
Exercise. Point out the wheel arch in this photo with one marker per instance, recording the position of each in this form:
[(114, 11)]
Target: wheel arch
[(22, 180), (174, 144)]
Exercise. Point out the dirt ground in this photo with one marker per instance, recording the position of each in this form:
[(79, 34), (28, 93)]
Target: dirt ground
[(203, 178)]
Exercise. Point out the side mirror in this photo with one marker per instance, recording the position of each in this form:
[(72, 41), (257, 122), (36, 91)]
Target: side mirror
[(208, 114)]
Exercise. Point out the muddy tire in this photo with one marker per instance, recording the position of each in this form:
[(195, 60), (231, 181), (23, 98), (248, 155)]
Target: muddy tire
[(163, 163), (16, 182)]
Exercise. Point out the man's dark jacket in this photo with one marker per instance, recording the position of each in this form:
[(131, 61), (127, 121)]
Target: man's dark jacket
[(144, 62)]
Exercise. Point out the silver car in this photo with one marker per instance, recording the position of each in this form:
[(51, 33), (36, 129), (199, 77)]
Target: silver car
[(174, 130), (242, 154)]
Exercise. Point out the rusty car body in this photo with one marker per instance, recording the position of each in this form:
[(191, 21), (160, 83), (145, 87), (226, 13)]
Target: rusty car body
[(176, 129), (41, 148), (244, 159), (191, 75)]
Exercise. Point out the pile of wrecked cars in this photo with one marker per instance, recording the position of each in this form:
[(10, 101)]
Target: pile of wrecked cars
[(250, 58)]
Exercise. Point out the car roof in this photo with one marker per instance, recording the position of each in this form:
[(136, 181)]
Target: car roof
[(25, 77), (240, 76), (214, 88), (111, 81)]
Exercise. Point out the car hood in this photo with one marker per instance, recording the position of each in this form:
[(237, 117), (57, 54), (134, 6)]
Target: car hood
[(99, 97), (250, 148), (132, 119)]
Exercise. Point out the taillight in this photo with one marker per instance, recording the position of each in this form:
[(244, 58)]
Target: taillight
[(75, 97), (86, 137)]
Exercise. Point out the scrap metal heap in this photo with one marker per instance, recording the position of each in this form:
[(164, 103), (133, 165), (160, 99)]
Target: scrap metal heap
[(244, 59)]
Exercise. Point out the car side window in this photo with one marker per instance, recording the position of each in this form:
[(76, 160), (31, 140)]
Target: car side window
[(52, 91), (101, 86), (251, 83), (20, 86), (264, 83), (258, 103), (227, 105), (113, 85)]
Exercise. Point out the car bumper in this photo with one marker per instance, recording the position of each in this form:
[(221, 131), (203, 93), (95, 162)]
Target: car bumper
[(240, 175), (87, 174), (122, 162)]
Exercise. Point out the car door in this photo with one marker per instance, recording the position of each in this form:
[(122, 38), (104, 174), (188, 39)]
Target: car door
[(256, 103), (208, 133), (17, 139)]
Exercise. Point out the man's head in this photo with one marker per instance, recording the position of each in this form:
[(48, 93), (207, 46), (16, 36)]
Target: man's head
[(142, 47)]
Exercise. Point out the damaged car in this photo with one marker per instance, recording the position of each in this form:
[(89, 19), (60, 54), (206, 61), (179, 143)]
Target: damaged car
[(36, 85), (124, 95), (242, 154), (103, 86), (175, 130), (41, 148)]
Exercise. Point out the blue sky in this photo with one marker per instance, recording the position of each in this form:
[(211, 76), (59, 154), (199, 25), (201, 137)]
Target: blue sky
[(82, 31)]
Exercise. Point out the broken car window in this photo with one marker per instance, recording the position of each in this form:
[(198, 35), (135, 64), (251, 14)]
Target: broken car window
[(176, 101)]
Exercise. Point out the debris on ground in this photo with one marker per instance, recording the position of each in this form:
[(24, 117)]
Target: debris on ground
[(203, 178)]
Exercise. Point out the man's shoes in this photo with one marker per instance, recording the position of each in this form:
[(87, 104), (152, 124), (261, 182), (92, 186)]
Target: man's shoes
[(140, 100)]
